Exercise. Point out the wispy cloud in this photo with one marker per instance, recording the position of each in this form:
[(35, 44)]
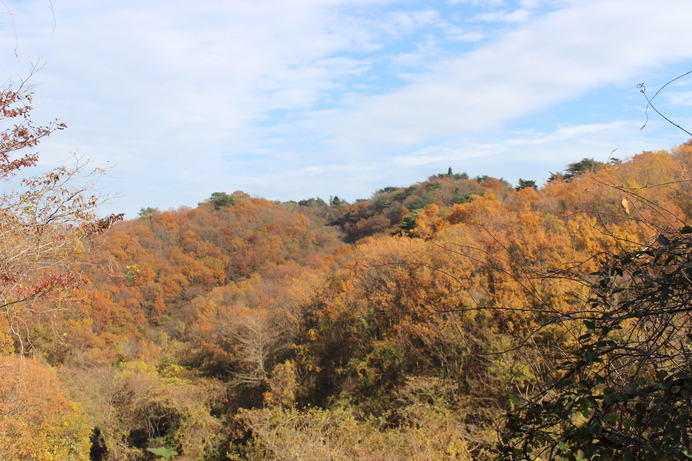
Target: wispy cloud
[(557, 57), (528, 144), (297, 98)]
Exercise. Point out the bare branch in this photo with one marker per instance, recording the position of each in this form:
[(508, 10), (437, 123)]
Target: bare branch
[(649, 101)]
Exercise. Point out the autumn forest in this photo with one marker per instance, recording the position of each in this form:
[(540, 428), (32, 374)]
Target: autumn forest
[(457, 318)]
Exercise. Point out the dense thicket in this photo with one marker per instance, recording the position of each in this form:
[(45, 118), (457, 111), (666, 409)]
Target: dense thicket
[(625, 390), (400, 327)]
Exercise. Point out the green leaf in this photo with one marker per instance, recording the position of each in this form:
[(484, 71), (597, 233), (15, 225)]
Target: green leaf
[(562, 446), (514, 400), (164, 452)]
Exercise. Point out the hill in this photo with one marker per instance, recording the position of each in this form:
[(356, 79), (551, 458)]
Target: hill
[(398, 327)]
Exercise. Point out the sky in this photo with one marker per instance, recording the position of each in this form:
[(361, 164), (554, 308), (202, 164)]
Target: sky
[(291, 99)]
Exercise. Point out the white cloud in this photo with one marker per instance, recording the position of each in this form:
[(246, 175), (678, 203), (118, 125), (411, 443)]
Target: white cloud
[(280, 96), (514, 16), (441, 154), (557, 57), (572, 132), (680, 98), (478, 2), (528, 143)]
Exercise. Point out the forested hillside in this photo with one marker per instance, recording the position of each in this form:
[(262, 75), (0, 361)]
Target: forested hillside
[(456, 318)]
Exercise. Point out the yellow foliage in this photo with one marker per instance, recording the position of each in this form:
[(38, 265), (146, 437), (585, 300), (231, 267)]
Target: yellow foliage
[(160, 408), (338, 435), (283, 384), (37, 420)]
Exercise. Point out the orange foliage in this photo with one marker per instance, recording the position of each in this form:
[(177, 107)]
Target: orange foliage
[(37, 420), (452, 281)]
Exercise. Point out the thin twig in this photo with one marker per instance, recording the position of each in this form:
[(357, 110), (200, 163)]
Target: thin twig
[(642, 90)]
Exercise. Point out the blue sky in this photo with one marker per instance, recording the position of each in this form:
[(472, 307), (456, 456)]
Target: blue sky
[(290, 99)]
